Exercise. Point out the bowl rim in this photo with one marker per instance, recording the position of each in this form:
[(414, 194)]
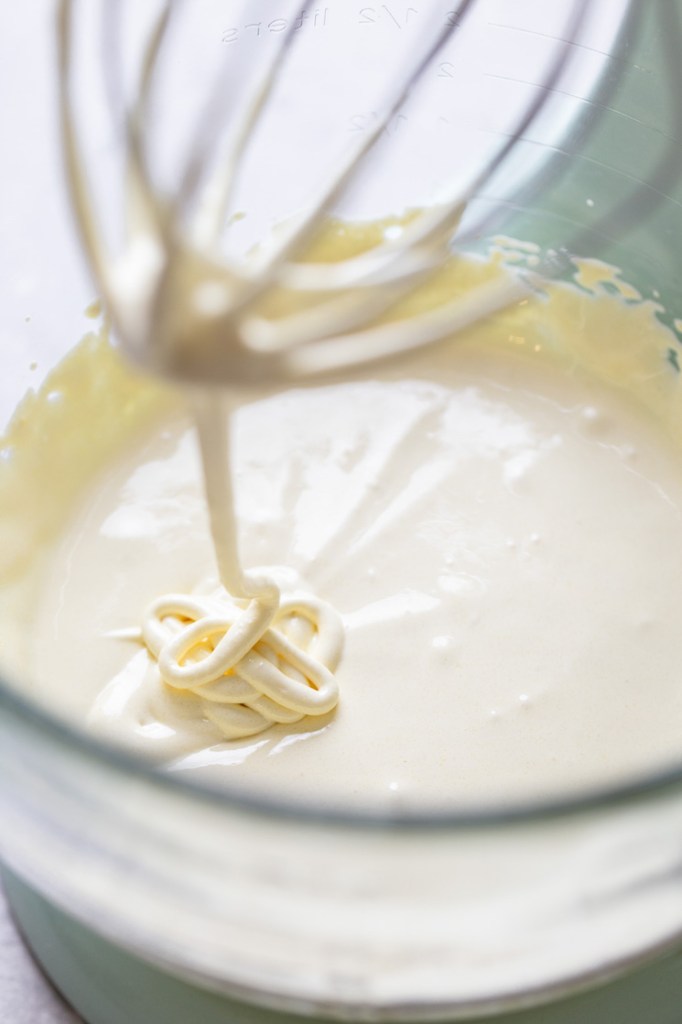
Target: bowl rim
[(637, 789)]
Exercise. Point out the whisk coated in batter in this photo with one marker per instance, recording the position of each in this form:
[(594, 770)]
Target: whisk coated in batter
[(182, 307)]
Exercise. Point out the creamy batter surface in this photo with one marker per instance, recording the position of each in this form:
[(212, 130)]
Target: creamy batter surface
[(497, 523)]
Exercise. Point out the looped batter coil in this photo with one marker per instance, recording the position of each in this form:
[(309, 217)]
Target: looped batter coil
[(252, 665)]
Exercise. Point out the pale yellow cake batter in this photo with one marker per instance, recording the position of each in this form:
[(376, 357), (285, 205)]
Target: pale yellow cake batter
[(496, 522)]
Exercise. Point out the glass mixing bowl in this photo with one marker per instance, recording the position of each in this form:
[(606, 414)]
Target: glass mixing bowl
[(330, 911)]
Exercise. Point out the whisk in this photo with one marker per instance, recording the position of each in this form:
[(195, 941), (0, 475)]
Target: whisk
[(182, 307)]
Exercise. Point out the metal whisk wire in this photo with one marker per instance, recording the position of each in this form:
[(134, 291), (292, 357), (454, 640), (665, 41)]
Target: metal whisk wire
[(338, 331)]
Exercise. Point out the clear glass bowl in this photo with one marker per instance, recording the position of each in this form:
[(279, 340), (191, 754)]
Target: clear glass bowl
[(411, 916)]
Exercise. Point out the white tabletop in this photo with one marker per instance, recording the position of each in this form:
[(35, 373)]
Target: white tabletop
[(26, 997)]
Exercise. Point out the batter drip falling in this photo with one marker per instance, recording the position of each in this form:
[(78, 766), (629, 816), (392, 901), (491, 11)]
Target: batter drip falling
[(251, 656)]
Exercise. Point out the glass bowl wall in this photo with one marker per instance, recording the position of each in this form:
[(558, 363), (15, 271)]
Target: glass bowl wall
[(311, 908)]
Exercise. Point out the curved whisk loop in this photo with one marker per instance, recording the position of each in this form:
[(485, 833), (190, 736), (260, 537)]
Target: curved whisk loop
[(181, 306)]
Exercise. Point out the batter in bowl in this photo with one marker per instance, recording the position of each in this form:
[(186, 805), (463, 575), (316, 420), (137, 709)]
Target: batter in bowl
[(496, 523)]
